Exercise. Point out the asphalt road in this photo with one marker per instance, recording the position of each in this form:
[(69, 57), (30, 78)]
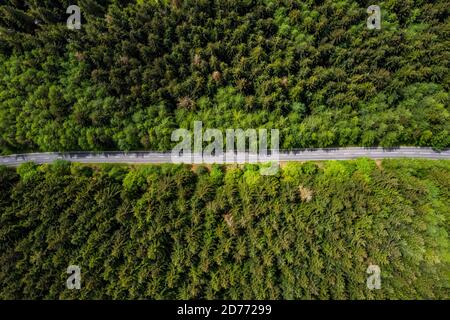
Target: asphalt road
[(284, 155)]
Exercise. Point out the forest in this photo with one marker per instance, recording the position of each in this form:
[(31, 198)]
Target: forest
[(226, 232), (137, 70)]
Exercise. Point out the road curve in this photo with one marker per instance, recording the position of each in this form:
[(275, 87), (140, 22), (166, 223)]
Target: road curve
[(142, 157)]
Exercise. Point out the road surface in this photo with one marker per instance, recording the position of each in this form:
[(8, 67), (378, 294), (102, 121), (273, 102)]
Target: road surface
[(143, 157)]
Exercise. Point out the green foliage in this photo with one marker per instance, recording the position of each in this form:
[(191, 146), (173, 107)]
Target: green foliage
[(165, 232), (138, 69), (27, 171)]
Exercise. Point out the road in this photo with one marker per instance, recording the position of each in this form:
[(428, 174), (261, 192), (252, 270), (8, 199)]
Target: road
[(143, 157)]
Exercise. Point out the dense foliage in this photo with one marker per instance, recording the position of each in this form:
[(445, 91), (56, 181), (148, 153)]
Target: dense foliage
[(223, 232), (139, 69)]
